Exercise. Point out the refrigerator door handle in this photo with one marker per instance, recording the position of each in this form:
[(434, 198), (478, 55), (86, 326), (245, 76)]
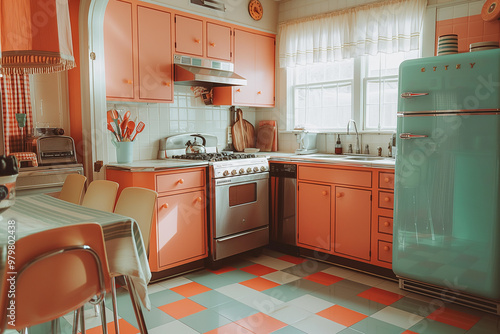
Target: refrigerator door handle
[(409, 94), (411, 136)]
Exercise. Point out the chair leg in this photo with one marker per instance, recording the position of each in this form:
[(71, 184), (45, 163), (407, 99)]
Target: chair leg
[(137, 306), (103, 318), (76, 315), (82, 320), (115, 306), (24, 331), (55, 326)]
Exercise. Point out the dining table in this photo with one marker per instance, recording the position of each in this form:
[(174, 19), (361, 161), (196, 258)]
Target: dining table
[(125, 249)]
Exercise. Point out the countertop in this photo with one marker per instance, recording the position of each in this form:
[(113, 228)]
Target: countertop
[(156, 165), (353, 160)]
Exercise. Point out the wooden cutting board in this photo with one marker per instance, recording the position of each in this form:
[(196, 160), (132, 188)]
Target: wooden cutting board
[(265, 137), (243, 133), (274, 148)]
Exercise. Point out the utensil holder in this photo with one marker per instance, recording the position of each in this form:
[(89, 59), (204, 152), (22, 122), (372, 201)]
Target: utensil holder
[(124, 151)]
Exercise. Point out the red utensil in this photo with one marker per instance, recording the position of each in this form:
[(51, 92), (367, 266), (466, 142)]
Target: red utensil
[(114, 117), (130, 128), (123, 124), (110, 128), (139, 129)]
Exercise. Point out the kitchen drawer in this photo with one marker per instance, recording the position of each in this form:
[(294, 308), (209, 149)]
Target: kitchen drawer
[(337, 176), (386, 181), (180, 181), (384, 225), (385, 200), (385, 251)]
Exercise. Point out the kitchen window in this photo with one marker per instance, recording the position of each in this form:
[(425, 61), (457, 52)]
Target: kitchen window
[(325, 96)]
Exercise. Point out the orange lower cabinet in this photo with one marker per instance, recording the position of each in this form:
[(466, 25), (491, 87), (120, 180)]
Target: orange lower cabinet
[(352, 222), (181, 228), (314, 216)]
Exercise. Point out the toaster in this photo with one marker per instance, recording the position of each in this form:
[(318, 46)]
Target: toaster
[(53, 150)]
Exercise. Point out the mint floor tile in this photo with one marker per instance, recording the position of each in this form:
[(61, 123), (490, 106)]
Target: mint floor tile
[(211, 298), (341, 291), (205, 320), (164, 297), (428, 326), (285, 292), (414, 306), (289, 330), (234, 310), (236, 276), (374, 326), (361, 305), (306, 268)]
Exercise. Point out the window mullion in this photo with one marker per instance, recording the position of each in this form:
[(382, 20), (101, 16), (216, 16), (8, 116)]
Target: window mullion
[(357, 93)]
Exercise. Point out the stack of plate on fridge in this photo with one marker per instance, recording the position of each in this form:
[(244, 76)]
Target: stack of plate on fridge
[(480, 46), (447, 45)]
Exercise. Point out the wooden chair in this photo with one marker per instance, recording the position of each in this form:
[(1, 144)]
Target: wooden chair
[(139, 204), (58, 271), (72, 188), (101, 195)]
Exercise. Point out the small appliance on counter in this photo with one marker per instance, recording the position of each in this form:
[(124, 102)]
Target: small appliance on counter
[(51, 147), (307, 142)]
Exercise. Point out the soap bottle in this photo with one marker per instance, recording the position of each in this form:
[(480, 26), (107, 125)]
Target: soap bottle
[(338, 146)]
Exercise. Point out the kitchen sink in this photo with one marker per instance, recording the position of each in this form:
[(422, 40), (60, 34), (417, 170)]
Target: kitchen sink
[(363, 158)]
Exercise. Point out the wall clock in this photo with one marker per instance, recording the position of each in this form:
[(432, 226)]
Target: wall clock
[(255, 9)]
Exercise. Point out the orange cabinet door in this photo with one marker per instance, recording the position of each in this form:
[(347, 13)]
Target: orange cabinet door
[(188, 35), (118, 50), (181, 228), (314, 212), (244, 65), (264, 70), (352, 222), (155, 55), (218, 41)]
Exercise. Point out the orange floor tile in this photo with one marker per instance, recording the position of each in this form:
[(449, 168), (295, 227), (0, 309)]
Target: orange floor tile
[(261, 323), (381, 296), (182, 308), (454, 318), (222, 270), (231, 328), (259, 284), (323, 278), (292, 259), (258, 270), (190, 289), (125, 328), (342, 315)]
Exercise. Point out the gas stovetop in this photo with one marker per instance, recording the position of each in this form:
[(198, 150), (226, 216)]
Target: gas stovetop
[(223, 156)]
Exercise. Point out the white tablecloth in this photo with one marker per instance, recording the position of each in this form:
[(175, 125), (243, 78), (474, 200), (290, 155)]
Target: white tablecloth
[(123, 239)]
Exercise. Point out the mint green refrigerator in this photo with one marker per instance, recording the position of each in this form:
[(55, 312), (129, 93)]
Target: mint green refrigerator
[(447, 209)]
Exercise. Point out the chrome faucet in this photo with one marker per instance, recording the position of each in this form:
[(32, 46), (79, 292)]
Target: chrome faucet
[(358, 148)]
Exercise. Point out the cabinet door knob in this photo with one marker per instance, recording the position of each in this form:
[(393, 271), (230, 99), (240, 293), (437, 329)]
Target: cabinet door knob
[(129, 82), (324, 192), (212, 44), (197, 40), (386, 180), (198, 199), (387, 224), (181, 181), (164, 83), (238, 90), (387, 248), (259, 92), (339, 195), (164, 206), (387, 199)]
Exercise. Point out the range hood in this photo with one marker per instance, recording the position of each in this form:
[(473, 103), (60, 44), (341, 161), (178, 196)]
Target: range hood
[(191, 71)]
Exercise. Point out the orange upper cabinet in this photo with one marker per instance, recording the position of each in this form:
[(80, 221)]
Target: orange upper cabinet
[(138, 55), (218, 41), (118, 48), (188, 35), (155, 62), (253, 60)]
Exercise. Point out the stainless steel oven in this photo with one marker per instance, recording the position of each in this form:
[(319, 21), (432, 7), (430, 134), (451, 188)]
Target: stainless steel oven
[(240, 213)]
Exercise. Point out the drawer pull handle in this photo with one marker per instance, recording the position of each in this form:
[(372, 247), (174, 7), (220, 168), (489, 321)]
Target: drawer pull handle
[(324, 193), (212, 44), (181, 181), (386, 180), (387, 199), (387, 248), (164, 206), (339, 195), (387, 224)]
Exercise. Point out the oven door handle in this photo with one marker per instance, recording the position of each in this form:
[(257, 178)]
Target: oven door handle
[(241, 234)]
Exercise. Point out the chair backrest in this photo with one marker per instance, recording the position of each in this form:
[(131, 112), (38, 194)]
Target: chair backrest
[(58, 271), (72, 188), (138, 203), (101, 195)]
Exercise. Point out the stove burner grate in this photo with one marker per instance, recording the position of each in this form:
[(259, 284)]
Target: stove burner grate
[(214, 156)]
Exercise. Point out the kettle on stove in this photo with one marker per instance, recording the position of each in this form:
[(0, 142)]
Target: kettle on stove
[(195, 147)]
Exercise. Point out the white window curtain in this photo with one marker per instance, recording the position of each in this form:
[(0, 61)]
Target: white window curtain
[(387, 27)]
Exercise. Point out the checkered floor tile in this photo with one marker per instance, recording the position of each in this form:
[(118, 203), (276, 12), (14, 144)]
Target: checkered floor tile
[(283, 294)]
